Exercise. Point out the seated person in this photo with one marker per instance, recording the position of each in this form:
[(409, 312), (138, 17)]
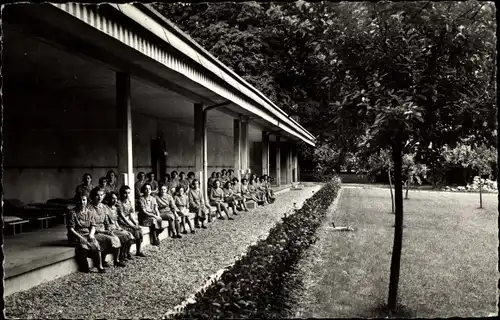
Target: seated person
[(183, 182), (182, 203), (168, 211), (190, 177), (210, 182), (165, 181), (245, 191), (252, 188), (267, 188), (126, 238), (229, 197), (154, 185), (253, 177), (230, 174), (223, 177), (197, 204), (127, 221), (108, 242), (149, 216), (141, 180), (217, 200), (85, 187), (246, 174), (236, 187), (260, 190), (112, 181), (103, 184), (82, 234), (172, 191), (174, 180)]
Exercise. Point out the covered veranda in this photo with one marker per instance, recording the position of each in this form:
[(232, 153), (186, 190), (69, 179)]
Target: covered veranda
[(92, 88)]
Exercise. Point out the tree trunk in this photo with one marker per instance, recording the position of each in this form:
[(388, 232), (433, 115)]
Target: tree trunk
[(390, 188), (398, 230), (407, 188), (480, 194)]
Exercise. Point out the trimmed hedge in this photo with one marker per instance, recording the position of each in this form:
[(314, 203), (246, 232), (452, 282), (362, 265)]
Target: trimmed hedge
[(256, 285)]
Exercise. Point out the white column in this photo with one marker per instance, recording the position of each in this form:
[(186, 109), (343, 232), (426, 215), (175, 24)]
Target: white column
[(278, 161), (265, 153), (288, 164), (237, 148), (199, 131), (244, 144), (295, 166), (298, 170), (205, 158), (124, 124)]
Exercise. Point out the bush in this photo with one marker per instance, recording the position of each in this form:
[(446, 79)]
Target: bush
[(488, 185), (255, 287)]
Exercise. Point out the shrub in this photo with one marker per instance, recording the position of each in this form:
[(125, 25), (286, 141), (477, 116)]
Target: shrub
[(487, 184), (255, 287)]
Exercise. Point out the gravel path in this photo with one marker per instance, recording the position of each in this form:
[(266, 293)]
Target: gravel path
[(149, 287)]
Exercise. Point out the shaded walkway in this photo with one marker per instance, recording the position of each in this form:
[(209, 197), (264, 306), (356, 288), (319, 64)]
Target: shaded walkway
[(148, 288)]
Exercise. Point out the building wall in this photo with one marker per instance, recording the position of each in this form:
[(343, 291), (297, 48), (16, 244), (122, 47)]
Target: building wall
[(284, 153), (256, 157), (272, 159), (51, 140), (179, 139)]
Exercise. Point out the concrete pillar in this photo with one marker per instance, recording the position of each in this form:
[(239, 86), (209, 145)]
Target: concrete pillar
[(295, 166), (199, 141), (237, 148), (204, 178), (278, 162), (124, 124), (244, 144), (298, 170), (265, 153), (288, 164)]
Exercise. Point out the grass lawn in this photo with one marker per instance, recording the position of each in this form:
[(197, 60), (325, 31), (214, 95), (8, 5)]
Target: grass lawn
[(449, 258)]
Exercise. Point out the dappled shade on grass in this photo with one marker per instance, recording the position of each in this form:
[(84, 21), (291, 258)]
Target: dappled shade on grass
[(448, 264)]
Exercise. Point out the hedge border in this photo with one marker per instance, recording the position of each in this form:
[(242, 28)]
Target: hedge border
[(256, 285)]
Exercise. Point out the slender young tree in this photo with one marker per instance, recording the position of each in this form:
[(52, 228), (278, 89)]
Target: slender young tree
[(483, 161)]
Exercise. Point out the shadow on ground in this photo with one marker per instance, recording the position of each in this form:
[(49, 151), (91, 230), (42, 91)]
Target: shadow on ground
[(383, 312)]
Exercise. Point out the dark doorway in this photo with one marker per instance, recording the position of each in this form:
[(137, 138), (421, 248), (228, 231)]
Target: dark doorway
[(159, 157)]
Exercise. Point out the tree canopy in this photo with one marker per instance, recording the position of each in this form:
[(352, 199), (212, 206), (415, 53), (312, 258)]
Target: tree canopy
[(351, 71)]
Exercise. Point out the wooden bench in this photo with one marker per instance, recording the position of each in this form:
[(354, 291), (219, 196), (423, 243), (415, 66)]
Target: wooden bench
[(44, 221), (14, 221), (251, 204), (213, 211)]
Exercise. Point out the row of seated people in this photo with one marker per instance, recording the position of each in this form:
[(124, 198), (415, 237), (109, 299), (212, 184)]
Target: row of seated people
[(230, 189), (252, 186), (173, 180), (106, 224)]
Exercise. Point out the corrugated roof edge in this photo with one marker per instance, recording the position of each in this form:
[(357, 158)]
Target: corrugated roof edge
[(167, 23)]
